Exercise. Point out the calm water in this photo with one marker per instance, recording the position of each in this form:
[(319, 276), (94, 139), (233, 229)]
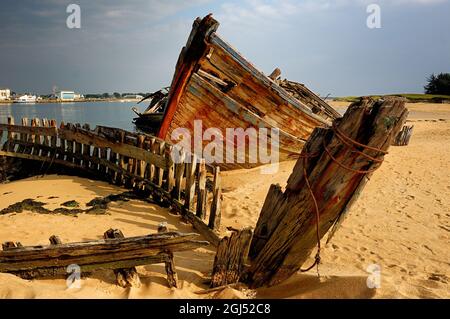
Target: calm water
[(116, 114)]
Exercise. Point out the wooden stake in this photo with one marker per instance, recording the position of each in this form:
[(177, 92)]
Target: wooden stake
[(125, 277), (190, 182), (9, 145), (172, 278), (86, 149), (230, 258), (179, 172), (215, 214), (201, 191)]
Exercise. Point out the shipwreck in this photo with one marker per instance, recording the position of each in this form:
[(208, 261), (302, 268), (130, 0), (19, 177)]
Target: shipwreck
[(214, 83), (336, 156)]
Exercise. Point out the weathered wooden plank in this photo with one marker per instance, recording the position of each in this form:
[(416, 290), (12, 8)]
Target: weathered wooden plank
[(120, 177), (103, 154), (403, 137), (170, 183), (9, 145), (69, 141), (95, 165), (212, 78), (37, 137), (78, 146), (56, 271), (38, 158), (141, 164), (86, 148), (23, 136), (158, 175), (268, 220), (216, 203), (190, 182), (230, 258), (62, 144), (53, 138), (97, 251), (172, 278), (160, 170), (151, 167), (113, 160), (121, 148), (179, 172), (49, 131), (201, 190), (45, 138)]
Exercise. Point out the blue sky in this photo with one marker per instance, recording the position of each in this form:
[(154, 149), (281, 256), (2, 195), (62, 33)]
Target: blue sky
[(133, 45)]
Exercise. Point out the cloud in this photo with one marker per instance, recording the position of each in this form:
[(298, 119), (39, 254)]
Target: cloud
[(279, 9), (263, 13)]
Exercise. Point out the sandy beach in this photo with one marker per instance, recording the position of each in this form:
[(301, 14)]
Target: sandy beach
[(401, 223)]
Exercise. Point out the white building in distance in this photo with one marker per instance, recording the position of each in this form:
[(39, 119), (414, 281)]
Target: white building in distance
[(68, 96), (5, 94)]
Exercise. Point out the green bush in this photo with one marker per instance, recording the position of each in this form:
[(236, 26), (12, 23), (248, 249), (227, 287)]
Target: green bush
[(438, 84)]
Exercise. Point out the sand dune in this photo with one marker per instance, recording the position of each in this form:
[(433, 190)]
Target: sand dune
[(400, 223)]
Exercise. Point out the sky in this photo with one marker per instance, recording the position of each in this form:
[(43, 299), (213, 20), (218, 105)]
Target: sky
[(133, 46)]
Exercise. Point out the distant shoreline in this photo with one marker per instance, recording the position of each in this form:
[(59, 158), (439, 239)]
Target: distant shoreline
[(74, 101), (410, 98)]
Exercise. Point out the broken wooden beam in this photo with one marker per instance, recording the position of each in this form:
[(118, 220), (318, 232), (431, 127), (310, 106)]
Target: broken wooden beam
[(230, 258), (331, 170), (116, 253), (403, 136)]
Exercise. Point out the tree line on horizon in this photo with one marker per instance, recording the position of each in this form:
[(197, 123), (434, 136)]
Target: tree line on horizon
[(116, 95)]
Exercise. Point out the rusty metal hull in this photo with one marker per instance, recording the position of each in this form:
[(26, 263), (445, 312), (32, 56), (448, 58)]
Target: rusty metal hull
[(217, 85)]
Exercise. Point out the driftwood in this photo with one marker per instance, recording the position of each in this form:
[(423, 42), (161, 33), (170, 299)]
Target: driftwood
[(230, 258), (403, 136), (112, 253), (336, 168)]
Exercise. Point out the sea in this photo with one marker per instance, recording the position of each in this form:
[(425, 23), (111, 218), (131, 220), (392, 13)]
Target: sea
[(115, 114)]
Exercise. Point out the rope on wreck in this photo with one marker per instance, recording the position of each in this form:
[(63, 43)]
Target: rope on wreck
[(316, 206), (351, 143)]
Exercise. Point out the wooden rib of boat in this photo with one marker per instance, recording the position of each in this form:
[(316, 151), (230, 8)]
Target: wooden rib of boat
[(150, 120), (215, 84)]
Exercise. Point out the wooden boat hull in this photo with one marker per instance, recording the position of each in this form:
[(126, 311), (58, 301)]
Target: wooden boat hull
[(215, 84)]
